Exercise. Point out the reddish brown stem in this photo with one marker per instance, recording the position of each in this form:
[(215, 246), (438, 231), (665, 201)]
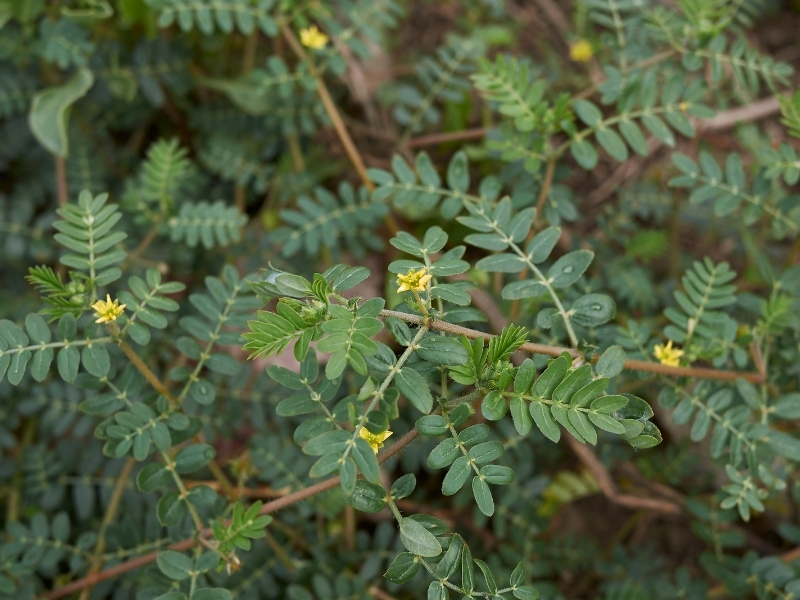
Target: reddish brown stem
[(269, 507), (330, 108), (633, 365), (61, 181), (609, 488), (451, 136)]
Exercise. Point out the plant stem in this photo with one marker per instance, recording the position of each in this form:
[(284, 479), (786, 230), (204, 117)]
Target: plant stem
[(298, 162), (15, 494), (249, 54), (450, 136), (282, 555), (378, 393), (144, 244), (239, 194), (140, 365), (108, 518), (330, 108), (631, 364), (198, 522), (61, 181), (543, 195), (269, 507), (145, 371)]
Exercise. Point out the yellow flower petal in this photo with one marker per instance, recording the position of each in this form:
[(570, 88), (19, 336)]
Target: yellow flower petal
[(312, 37), (667, 355), (375, 440), (415, 281), (581, 51), (107, 310)]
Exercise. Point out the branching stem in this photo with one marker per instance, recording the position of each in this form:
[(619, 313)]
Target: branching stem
[(631, 364)]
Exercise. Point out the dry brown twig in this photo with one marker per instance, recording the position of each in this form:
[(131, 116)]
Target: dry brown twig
[(755, 111), (380, 594), (609, 488), (330, 108), (268, 508)]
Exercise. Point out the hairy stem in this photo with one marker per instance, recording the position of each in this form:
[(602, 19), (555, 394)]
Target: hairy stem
[(631, 364)]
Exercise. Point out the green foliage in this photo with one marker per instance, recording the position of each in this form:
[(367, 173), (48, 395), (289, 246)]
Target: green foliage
[(790, 109), (508, 82), (209, 223), (87, 229), (696, 323), (185, 186), (730, 189), (678, 103), (164, 173), (225, 15), (332, 222), (50, 107), (441, 78)]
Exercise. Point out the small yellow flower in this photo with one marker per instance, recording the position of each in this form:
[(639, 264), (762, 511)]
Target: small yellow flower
[(581, 51), (667, 355), (107, 310), (413, 281), (311, 37), (374, 439)]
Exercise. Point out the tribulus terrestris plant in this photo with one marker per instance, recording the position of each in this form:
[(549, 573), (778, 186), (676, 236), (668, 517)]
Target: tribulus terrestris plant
[(376, 299)]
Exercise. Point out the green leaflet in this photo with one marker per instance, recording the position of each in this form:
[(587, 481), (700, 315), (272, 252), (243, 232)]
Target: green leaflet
[(50, 110)]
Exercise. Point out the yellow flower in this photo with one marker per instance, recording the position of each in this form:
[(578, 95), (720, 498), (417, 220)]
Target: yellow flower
[(581, 51), (374, 439), (667, 355), (311, 37), (413, 281), (107, 310)]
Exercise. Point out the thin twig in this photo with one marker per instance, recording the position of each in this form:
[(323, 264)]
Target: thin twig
[(269, 507), (755, 111), (144, 244), (450, 136), (544, 193), (330, 108), (282, 555), (609, 488), (249, 54), (555, 16), (380, 594), (298, 162), (116, 570), (154, 381), (532, 348), (627, 170), (145, 371), (62, 193), (108, 518), (225, 486), (256, 493), (61, 181), (239, 196)]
